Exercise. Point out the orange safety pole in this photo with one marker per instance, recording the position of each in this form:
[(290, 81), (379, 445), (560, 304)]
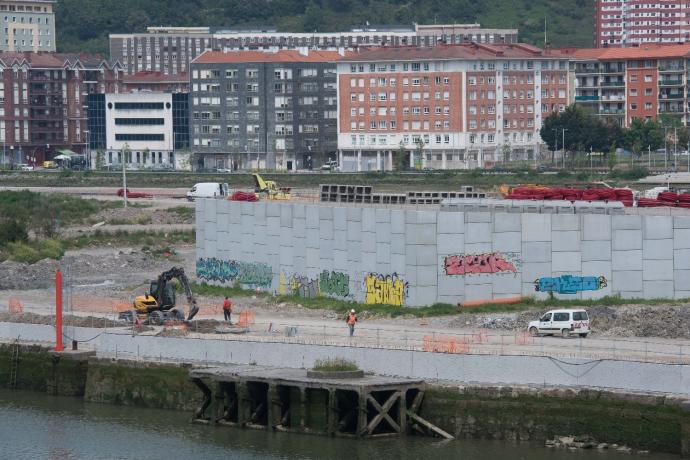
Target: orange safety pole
[(58, 311)]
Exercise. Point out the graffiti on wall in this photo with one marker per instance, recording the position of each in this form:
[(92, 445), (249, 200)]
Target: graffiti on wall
[(232, 271), (328, 284), (477, 264), (569, 284), (385, 289), (334, 283)]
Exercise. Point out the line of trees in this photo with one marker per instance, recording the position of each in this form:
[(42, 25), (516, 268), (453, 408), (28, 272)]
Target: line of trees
[(585, 131)]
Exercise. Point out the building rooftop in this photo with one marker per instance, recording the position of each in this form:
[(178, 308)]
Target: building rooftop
[(223, 57), (449, 52), (55, 60), (636, 52)]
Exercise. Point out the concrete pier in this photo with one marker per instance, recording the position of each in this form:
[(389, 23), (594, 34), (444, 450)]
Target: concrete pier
[(289, 400)]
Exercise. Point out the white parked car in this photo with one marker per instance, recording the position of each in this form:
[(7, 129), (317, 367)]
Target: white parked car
[(562, 322), (25, 167)]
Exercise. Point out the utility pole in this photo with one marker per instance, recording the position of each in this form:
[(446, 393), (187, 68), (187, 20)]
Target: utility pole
[(563, 146), (124, 172), (649, 156), (555, 146), (675, 147)]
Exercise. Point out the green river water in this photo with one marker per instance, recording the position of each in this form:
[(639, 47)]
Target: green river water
[(36, 426)]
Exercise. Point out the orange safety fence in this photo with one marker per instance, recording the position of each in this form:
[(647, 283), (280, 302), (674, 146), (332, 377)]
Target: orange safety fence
[(446, 344), (16, 306), (480, 336), (524, 338), (247, 318)]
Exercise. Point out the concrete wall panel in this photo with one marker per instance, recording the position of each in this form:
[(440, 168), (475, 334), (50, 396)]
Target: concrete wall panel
[(431, 249)]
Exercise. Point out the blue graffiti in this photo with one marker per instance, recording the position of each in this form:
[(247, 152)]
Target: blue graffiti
[(251, 274), (569, 284)]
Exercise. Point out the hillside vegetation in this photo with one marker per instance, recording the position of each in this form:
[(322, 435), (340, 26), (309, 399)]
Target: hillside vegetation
[(84, 25)]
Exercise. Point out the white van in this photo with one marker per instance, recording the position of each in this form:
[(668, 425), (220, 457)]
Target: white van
[(563, 322), (208, 190)]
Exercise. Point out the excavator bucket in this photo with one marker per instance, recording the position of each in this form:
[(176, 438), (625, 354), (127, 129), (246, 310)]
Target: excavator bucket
[(193, 310)]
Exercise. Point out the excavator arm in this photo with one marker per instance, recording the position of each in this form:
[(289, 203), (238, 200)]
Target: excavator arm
[(179, 274)]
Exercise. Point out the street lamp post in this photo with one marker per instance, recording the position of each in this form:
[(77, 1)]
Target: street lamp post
[(124, 172), (555, 137), (563, 146)]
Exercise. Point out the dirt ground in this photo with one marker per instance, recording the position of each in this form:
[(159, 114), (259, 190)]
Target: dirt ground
[(103, 280)]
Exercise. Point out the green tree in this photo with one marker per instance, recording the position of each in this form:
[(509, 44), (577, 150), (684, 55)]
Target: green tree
[(401, 158), (611, 157), (100, 159)]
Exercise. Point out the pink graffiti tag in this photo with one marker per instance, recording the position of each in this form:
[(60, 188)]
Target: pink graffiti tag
[(477, 264)]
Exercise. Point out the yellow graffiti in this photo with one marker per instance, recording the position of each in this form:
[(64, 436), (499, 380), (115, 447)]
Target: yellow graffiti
[(385, 290), (282, 284)]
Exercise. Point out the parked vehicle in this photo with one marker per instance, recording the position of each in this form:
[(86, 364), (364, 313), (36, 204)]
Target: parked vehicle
[(208, 190), (25, 167), (330, 165), (563, 322)]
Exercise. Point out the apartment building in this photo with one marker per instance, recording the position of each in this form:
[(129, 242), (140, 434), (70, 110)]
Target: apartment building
[(255, 109), (151, 129), (27, 26), (43, 102), (641, 82), (170, 49), (447, 107), (622, 23)]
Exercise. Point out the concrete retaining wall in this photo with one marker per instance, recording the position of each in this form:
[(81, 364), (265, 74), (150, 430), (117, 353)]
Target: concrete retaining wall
[(514, 370), (416, 258)]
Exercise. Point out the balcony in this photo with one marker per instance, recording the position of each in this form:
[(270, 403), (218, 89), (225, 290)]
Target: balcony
[(586, 98), (611, 111), (613, 70), (670, 82), (586, 70), (664, 96), (613, 97), (671, 69), (673, 109), (620, 83)]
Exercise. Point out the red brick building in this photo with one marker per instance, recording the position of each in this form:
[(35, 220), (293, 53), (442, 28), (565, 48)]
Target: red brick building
[(468, 105), (621, 23), (43, 102), (621, 84)]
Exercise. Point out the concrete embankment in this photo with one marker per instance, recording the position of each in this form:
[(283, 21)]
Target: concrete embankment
[(656, 422)]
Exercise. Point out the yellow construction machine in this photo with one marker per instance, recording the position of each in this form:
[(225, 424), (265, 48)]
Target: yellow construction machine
[(267, 189), (158, 305)]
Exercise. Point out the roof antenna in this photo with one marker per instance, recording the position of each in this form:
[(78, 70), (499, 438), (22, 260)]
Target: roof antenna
[(545, 41)]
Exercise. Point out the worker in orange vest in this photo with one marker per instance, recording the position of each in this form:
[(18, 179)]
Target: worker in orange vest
[(351, 321), (227, 309)]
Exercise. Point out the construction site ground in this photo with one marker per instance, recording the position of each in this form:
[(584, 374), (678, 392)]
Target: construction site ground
[(103, 280)]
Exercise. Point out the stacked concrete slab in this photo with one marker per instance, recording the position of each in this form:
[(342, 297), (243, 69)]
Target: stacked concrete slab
[(638, 256)]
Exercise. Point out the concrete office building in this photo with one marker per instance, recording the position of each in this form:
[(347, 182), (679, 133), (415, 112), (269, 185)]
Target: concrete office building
[(170, 49), (448, 107), (151, 129), (27, 25), (256, 109)]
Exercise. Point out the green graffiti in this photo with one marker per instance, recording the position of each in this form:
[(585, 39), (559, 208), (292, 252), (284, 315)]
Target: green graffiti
[(246, 274), (334, 283)]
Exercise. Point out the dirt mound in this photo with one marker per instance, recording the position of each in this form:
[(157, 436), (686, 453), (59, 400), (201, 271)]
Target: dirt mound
[(665, 321), (16, 275), (67, 320)]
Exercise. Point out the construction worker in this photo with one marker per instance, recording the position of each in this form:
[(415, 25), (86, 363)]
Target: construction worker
[(351, 321), (227, 309)]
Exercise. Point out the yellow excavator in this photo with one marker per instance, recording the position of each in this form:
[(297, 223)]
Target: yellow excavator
[(158, 305), (267, 189)]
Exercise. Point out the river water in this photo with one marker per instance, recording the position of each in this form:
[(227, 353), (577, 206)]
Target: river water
[(36, 426)]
